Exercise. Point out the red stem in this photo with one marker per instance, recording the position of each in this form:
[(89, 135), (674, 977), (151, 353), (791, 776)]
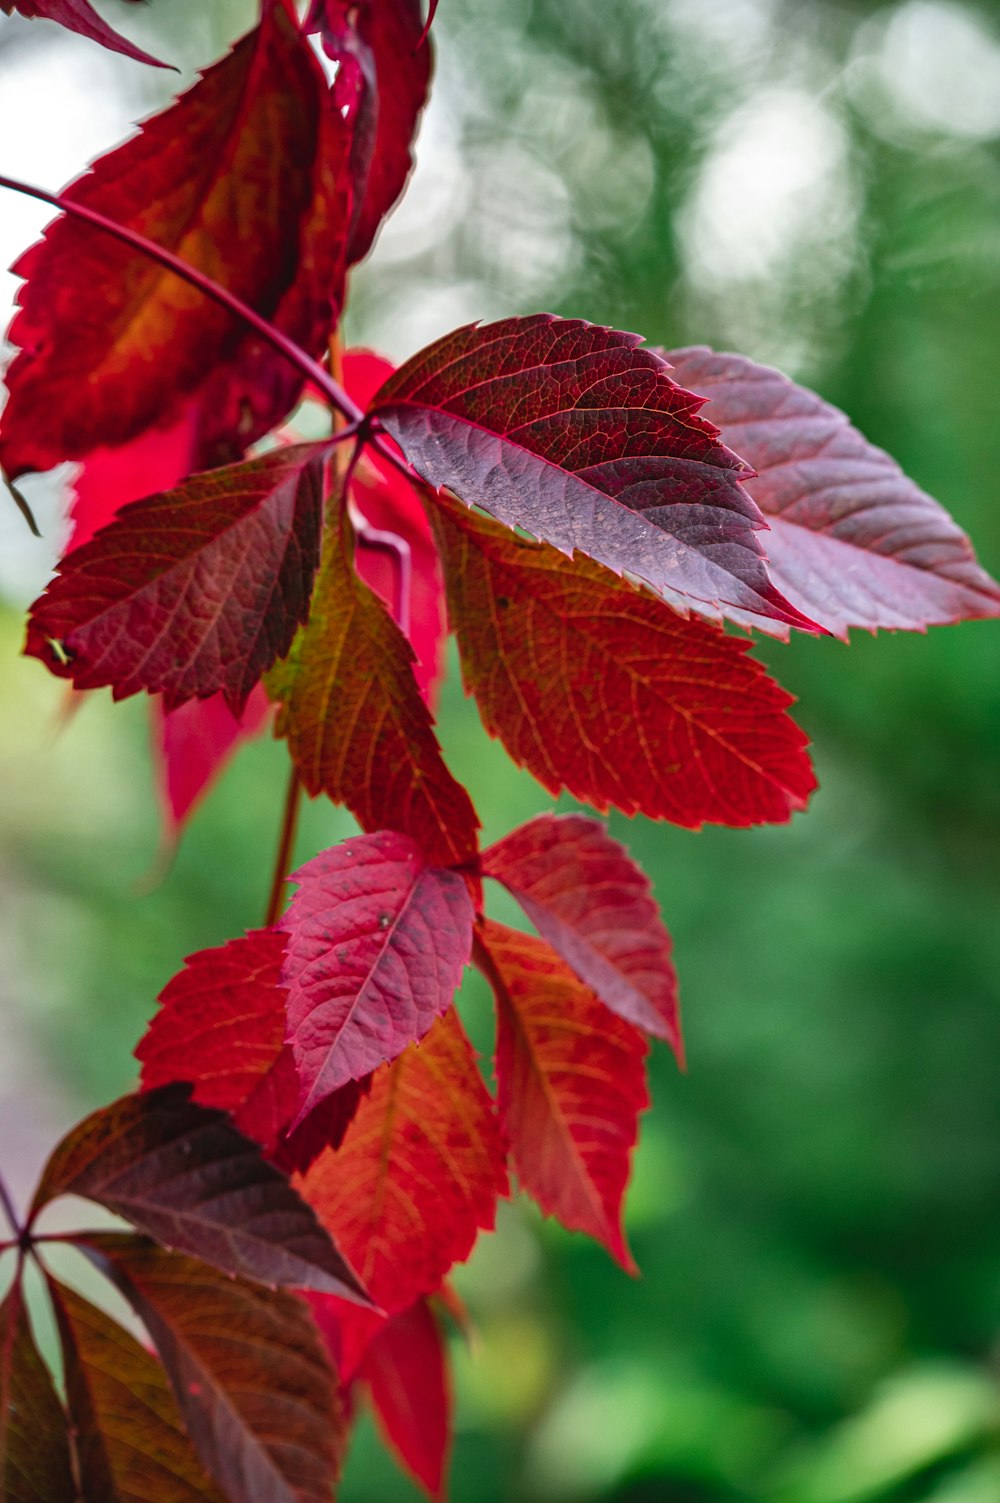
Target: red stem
[(283, 859), (9, 1210)]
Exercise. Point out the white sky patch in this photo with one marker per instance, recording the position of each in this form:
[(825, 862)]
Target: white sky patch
[(938, 65)]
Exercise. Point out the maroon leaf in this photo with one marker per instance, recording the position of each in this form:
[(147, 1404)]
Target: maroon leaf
[(79, 16), (191, 592), (247, 1368), (853, 541), (243, 178), (130, 1443), (377, 941), (34, 1442), (183, 1174), (406, 1370), (574, 434), (586, 896)]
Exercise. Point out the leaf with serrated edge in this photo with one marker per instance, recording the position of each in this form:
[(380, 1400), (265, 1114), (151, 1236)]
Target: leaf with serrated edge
[(598, 688), (183, 1174), (571, 432), (419, 1170), (570, 1086), (853, 541), (34, 1441), (80, 16), (131, 1446), (193, 591), (588, 898), (406, 1371), (247, 1368), (377, 942)]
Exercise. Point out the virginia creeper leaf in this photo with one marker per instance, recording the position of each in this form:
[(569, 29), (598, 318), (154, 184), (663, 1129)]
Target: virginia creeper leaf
[(356, 724), (600, 689), (853, 541), (79, 16), (419, 1170), (570, 1086), (243, 178), (34, 1442), (130, 1444), (192, 745), (406, 1370), (183, 1174), (574, 434), (192, 592), (377, 941), (588, 898), (247, 1368)]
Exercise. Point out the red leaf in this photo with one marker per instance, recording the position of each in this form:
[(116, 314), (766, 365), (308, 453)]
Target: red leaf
[(183, 1174), (600, 689), (79, 16), (419, 1170), (406, 1370), (853, 541), (130, 1444), (572, 433), (586, 896), (193, 744), (191, 592), (247, 1368), (385, 42), (109, 478), (357, 727), (377, 942), (571, 1085), (241, 178), (34, 1443)]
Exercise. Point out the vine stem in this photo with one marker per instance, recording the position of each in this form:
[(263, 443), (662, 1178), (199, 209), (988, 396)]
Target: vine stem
[(9, 1210), (286, 843)]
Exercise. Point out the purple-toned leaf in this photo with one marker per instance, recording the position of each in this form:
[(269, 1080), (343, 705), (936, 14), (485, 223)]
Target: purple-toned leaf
[(35, 1462), (80, 16)]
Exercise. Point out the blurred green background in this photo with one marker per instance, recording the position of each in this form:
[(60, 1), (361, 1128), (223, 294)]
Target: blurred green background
[(816, 1205)]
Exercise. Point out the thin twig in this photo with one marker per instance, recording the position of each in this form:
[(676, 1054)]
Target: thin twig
[(286, 843), (9, 1209)]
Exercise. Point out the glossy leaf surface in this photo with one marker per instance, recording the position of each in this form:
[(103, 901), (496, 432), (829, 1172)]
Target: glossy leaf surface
[(79, 16), (406, 1371), (570, 1086), (377, 941), (601, 689), (35, 1462), (586, 896)]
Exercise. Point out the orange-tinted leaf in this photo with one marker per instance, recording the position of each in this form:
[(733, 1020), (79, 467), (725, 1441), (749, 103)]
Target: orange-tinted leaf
[(191, 592), (130, 1443), (247, 1367), (574, 434), (853, 541), (34, 1442), (406, 1370), (586, 896), (183, 1174), (570, 1086), (79, 16), (241, 178), (601, 689), (356, 724), (377, 942), (419, 1170)]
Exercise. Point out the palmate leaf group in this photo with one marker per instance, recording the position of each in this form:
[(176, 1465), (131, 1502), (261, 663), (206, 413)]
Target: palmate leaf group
[(589, 517)]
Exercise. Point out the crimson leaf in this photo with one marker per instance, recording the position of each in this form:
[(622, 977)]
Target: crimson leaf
[(406, 1370), (586, 896), (34, 1442), (853, 541), (79, 16), (183, 1174), (191, 592), (571, 432), (377, 941)]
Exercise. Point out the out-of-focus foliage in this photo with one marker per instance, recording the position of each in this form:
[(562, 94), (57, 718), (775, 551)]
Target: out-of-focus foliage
[(815, 1209)]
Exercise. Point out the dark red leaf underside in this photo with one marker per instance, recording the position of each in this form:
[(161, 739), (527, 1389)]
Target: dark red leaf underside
[(570, 1083), (406, 1370), (419, 1171), (377, 941), (571, 432), (34, 1442), (588, 898), (183, 1174), (601, 689), (192, 592), (130, 1442), (243, 178), (356, 724), (79, 16), (853, 541), (247, 1368)]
